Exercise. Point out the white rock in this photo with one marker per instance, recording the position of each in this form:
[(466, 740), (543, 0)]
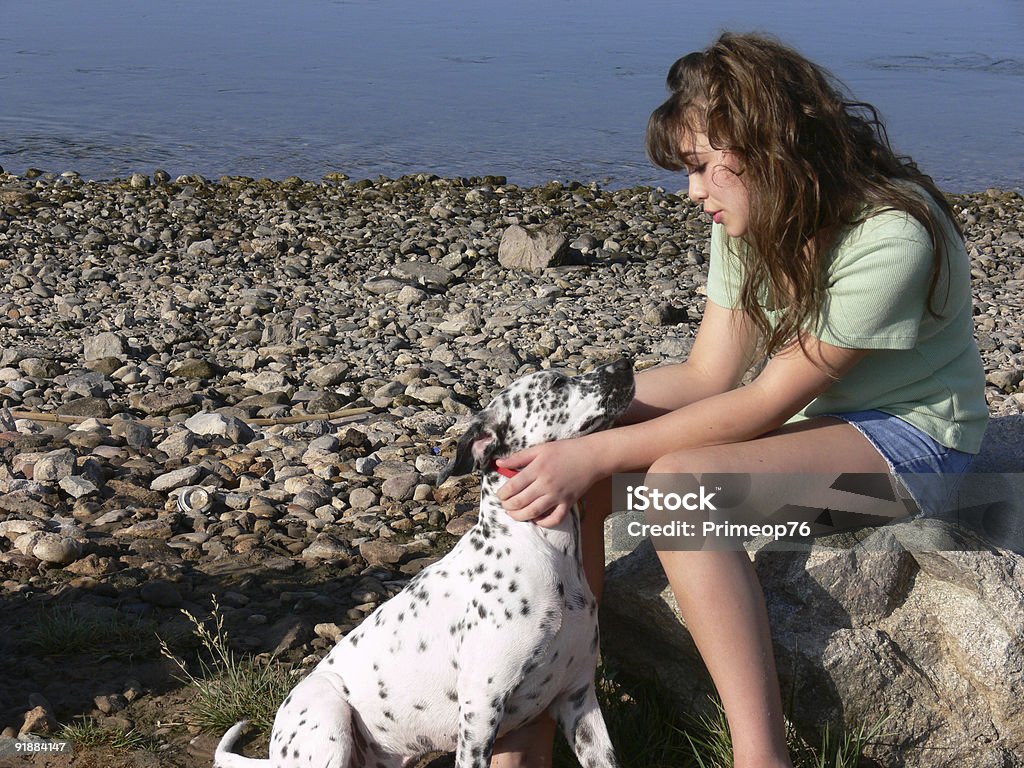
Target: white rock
[(410, 296), (219, 424), (54, 466), (12, 529), (77, 487), (176, 479), (27, 541), (269, 381), (365, 465), (104, 345), (329, 375), (61, 550), (89, 425)]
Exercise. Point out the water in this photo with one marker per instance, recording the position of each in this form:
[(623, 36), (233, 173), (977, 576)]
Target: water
[(533, 90)]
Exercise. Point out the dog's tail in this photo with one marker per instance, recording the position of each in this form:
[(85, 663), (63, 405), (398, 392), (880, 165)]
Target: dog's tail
[(224, 757), (315, 720)]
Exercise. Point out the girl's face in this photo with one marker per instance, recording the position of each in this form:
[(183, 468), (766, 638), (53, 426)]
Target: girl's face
[(716, 184)]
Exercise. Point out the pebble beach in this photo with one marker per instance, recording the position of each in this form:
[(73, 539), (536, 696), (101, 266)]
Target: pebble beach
[(246, 388)]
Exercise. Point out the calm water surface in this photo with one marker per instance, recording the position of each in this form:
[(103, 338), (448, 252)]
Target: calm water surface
[(533, 90)]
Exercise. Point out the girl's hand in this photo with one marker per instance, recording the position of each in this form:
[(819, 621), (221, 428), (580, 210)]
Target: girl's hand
[(552, 477)]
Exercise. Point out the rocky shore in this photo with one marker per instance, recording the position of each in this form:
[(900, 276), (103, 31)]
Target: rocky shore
[(246, 388)]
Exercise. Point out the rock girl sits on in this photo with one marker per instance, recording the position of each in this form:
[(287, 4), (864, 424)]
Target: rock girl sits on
[(840, 266)]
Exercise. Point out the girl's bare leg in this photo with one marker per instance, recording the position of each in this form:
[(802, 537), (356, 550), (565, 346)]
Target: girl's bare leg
[(720, 598), (719, 594)]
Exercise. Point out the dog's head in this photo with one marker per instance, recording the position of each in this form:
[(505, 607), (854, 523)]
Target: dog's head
[(539, 408)]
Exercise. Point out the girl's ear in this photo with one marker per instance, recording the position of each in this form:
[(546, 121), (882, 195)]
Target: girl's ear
[(475, 450)]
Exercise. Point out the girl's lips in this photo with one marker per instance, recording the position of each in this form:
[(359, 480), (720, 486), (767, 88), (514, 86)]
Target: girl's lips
[(717, 216)]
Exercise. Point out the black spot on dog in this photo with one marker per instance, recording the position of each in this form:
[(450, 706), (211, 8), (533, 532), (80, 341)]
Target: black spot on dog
[(577, 697), (583, 734)]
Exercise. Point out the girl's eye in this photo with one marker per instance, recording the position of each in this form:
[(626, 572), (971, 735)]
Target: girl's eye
[(696, 169)]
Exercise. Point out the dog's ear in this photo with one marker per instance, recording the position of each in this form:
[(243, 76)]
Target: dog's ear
[(475, 450)]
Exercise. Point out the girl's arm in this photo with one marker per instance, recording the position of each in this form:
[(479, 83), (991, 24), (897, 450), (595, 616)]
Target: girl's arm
[(791, 380), (721, 354), (686, 406)]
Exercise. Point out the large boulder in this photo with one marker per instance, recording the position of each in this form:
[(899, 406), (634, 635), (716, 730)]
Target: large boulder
[(933, 641), (533, 248), (107, 344)]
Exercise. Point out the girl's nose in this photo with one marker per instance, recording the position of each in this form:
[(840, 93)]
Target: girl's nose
[(695, 188)]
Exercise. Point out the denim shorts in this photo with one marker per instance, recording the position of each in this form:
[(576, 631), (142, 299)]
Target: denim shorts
[(928, 471)]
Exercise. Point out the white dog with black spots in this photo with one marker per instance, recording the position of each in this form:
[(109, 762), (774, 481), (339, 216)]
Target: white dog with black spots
[(496, 633)]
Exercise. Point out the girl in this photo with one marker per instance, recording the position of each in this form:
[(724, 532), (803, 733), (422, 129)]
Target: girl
[(840, 265)]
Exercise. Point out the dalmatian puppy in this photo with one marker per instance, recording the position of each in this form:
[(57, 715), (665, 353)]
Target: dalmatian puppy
[(499, 631)]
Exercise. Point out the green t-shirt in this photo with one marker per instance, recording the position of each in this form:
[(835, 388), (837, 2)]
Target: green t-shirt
[(924, 369)]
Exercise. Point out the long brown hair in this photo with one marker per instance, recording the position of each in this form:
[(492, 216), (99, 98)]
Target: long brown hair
[(813, 162)]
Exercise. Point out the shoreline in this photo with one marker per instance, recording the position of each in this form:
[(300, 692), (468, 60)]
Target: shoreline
[(30, 174)]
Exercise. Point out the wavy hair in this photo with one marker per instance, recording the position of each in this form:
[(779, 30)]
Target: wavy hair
[(813, 161)]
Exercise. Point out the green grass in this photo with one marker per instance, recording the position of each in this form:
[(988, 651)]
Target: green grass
[(649, 730), (644, 725), (228, 687), (88, 733), (65, 631), (841, 750)]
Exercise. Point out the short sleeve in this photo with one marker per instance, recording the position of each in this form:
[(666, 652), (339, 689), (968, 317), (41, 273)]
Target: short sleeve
[(877, 284), (725, 272)]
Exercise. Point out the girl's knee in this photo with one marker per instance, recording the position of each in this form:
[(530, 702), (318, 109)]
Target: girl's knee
[(678, 463), (715, 459)]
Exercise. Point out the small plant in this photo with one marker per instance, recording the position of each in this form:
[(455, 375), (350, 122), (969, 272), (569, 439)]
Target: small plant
[(88, 733), (644, 725), (70, 630), (709, 739), (228, 687), (843, 750), (649, 731), (712, 746)]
